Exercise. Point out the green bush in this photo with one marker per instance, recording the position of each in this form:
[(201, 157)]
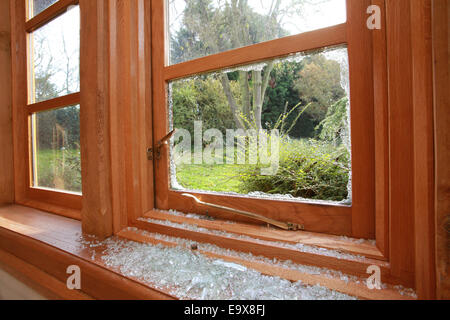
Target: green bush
[(334, 127), (59, 165), (308, 169), (201, 99)]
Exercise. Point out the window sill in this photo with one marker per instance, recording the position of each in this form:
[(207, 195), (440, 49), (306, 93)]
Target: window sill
[(258, 231), (305, 248), (56, 209), (32, 240), (40, 246)]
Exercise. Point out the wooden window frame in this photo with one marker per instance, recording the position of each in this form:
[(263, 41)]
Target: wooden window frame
[(62, 202), (357, 220), (117, 39)]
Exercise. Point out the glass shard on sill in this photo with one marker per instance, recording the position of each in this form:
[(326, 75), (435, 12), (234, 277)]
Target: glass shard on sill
[(115, 244), (189, 275), (297, 247)]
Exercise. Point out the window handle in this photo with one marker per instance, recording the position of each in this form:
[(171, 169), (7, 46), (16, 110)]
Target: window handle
[(159, 145), (283, 225)]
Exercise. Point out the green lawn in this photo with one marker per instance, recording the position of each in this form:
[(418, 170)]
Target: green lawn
[(59, 169), (219, 178), (307, 169)]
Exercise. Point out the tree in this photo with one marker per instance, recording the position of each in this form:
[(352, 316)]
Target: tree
[(216, 26), (319, 83), (55, 74), (282, 96), (201, 99), (44, 70), (41, 5), (265, 90), (334, 128)]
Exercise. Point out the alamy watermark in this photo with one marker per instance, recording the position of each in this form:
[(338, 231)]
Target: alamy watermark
[(374, 20), (374, 281), (239, 146), (74, 280)]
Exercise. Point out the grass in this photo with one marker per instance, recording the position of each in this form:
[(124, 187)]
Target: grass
[(307, 169), (218, 178), (211, 177), (59, 169)]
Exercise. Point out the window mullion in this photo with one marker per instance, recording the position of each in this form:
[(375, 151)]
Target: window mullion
[(327, 37)]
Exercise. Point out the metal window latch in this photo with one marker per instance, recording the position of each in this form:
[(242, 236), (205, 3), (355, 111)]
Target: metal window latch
[(283, 225), (156, 151)]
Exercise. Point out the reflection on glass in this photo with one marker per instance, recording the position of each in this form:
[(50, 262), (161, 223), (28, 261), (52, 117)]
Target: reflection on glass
[(56, 149), (277, 129), (199, 28), (55, 57), (37, 6)]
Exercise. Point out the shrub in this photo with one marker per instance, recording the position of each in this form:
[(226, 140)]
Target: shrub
[(59, 169), (307, 169), (334, 127), (200, 99)]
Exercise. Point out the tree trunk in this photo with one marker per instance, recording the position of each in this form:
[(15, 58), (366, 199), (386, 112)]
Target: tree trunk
[(257, 98), (245, 92), (231, 101), (265, 81)]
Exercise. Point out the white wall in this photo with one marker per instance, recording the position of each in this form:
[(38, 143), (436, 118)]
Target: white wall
[(13, 289)]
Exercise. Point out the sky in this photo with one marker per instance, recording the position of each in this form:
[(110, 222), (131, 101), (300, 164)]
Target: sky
[(65, 28), (317, 14)]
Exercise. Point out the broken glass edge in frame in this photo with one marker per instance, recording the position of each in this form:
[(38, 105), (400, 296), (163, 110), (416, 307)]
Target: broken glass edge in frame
[(338, 53)]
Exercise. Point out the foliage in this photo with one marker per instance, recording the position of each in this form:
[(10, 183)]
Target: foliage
[(302, 99), (40, 5), (57, 131), (211, 27), (201, 99), (319, 83), (66, 118), (282, 96), (311, 169), (308, 169), (334, 127), (59, 169)]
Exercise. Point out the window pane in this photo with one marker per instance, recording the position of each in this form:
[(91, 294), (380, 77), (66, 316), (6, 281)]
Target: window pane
[(56, 57), (37, 6), (277, 129), (199, 28), (56, 149)]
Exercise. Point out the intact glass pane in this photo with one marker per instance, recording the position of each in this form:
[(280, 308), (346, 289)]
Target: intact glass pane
[(56, 149), (37, 6), (199, 28), (55, 57), (279, 129)]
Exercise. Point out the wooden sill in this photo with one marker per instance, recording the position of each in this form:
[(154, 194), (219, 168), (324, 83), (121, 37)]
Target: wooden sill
[(331, 242), (48, 286), (40, 246), (350, 287), (47, 207), (355, 266), (34, 240)]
